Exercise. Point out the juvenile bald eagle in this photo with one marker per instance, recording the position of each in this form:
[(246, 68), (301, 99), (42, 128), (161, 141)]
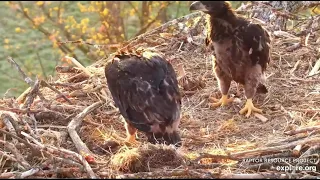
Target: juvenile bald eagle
[(144, 87), (241, 51)]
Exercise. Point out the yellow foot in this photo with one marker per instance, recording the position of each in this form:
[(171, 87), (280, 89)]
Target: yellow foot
[(221, 102), (249, 108), (131, 139)]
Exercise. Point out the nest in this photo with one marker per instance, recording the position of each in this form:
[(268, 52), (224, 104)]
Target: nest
[(145, 158), (55, 128)]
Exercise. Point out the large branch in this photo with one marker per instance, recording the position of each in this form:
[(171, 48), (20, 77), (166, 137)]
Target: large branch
[(75, 123)]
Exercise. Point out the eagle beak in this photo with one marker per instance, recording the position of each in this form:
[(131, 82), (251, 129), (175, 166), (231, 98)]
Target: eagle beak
[(197, 5)]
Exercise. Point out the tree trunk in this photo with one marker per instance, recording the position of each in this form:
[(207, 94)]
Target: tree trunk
[(163, 16), (115, 27), (145, 13)]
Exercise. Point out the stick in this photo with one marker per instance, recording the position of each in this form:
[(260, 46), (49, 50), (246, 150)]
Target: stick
[(28, 173), (8, 156), (302, 130), (66, 69), (32, 138), (28, 126), (215, 157), (53, 115), (34, 150), (16, 153), (53, 149), (82, 160), (25, 77), (15, 110), (79, 77), (290, 139), (254, 176), (68, 85), (75, 123), (280, 148), (306, 40), (295, 67), (74, 61), (32, 95), (296, 150), (23, 96), (299, 109), (7, 120), (311, 150), (67, 161), (44, 83), (315, 68), (167, 173), (63, 107)]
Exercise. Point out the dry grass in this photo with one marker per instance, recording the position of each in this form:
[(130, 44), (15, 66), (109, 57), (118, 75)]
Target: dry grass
[(293, 101)]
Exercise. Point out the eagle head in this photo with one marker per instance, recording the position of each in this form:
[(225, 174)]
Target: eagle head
[(211, 7)]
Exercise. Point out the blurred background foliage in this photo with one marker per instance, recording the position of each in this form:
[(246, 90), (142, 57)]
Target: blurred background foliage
[(30, 31)]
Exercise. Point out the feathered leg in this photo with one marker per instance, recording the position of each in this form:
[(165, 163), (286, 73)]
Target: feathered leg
[(131, 133), (250, 87), (224, 84)]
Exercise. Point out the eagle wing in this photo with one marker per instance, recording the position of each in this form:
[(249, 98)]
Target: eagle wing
[(257, 41), (145, 91)]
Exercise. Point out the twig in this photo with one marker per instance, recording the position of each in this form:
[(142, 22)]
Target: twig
[(75, 62), (53, 115), (290, 139), (68, 85), (15, 110), (28, 126), (75, 123), (79, 77), (32, 95), (16, 153), (82, 159), (53, 149), (311, 150), (32, 138), (66, 69), (300, 109), (215, 157), (264, 175), (315, 68), (280, 148), (306, 40), (7, 122), (67, 161), (29, 173), (25, 77), (44, 83), (257, 167), (34, 150), (23, 96), (8, 156), (295, 67), (302, 130), (168, 173), (296, 150)]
